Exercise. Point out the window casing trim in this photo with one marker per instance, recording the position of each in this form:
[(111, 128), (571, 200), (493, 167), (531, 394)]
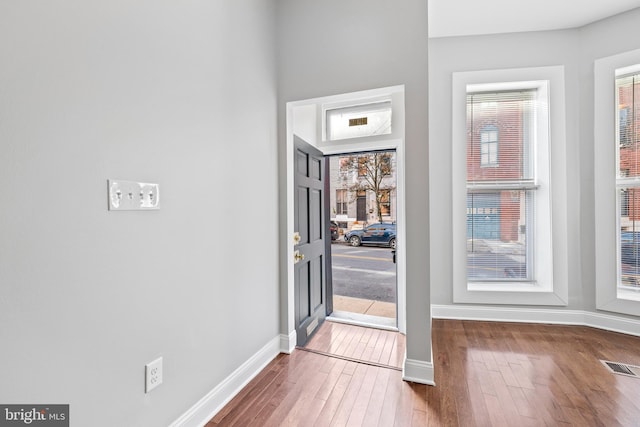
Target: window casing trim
[(551, 285)]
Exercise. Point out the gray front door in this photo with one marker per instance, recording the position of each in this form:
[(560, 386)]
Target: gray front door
[(310, 277)]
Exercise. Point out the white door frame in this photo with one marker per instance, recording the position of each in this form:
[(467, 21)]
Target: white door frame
[(306, 119)]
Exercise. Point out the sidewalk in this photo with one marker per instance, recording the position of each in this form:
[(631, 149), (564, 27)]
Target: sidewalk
[(364, 306), (495, 247)]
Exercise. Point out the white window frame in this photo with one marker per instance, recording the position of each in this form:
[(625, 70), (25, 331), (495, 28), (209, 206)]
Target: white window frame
[(608, 296), (551, 270)]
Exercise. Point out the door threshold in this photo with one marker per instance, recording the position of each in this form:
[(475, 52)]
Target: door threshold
[(366, 320)]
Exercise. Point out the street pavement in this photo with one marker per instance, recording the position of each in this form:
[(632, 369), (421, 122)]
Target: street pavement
[(366, 272)]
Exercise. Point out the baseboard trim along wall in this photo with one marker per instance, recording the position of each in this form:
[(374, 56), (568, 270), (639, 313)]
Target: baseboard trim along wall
[(288, 342), (418, 371), (538, 315), (206, 408)]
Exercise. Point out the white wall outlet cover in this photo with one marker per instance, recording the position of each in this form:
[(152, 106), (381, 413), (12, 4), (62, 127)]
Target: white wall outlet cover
[(153, 374), (132, 195)]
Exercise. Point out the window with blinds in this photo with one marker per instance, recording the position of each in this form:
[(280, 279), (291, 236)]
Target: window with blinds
[(501, 185), (628, 179)]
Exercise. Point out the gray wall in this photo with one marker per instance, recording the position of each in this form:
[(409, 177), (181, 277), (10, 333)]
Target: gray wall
[(575, 49), (332, 47), (179, 93)]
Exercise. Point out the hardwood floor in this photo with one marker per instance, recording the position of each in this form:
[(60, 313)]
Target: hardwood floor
[(374, 346), (487, 374)]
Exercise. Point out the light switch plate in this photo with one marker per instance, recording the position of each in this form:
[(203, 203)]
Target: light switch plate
[(133, 196)]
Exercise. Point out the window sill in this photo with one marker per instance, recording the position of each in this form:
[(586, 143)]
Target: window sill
[(506, 287), (511, 293), (629, 294)]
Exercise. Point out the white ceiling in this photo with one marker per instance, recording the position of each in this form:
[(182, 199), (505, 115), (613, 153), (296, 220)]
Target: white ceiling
[(473, 17)]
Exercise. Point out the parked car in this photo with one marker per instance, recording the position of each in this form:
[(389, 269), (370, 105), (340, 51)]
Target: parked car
[(333, 227), (381, 234), (630, 258)]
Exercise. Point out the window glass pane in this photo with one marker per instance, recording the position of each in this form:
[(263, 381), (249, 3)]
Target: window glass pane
[(359, 121), (500, 135), (628, 125), (493, 153), (497, 247), (341, 202), (629, 238)]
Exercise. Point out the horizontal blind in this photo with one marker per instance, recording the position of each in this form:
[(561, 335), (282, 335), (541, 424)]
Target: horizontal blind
[(500, 185), (499, 136), (628, 179)]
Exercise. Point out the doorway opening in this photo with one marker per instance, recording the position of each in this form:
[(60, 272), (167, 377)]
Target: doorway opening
[(363, 218), (348, 124)]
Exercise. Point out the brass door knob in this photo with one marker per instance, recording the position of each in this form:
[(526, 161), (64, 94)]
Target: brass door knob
[(297, 256)]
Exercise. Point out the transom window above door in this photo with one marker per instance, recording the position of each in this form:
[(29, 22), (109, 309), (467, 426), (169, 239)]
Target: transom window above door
[(359, 121)]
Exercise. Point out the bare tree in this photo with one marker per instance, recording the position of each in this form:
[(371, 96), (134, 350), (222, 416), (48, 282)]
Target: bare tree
[(371, 169)]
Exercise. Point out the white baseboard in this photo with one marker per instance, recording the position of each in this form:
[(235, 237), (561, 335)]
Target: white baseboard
[(288, 342), (206, 408), (538, 315), (418, 371)]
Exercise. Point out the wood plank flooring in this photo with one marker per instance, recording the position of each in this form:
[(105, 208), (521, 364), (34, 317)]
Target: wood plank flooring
[(374, 346), (487, 374)]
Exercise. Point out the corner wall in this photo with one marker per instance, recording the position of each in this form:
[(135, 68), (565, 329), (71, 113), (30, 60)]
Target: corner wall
[(178, 93), (576, 50)]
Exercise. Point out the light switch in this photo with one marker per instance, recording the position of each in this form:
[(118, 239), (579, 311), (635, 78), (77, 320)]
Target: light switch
[(132, 195)]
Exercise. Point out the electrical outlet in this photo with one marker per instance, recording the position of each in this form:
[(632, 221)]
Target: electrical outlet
[(153, 375)]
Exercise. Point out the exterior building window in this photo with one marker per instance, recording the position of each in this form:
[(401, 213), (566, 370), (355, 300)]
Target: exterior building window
[(385, 202), (344, 165), (489, 147), (628, 183), (341, 202), (362, 166), (500, 199)]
